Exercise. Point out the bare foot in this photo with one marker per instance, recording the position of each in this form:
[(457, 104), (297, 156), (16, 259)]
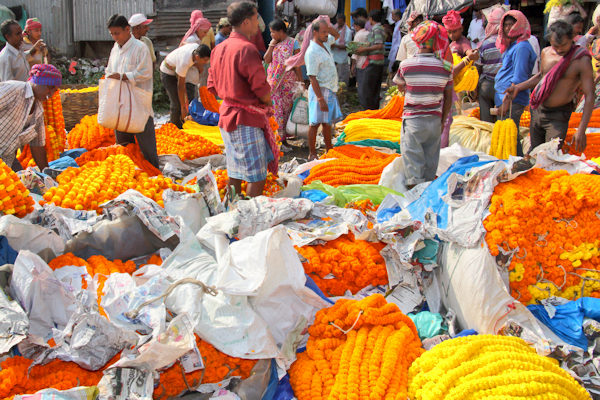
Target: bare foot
[(312, 157)]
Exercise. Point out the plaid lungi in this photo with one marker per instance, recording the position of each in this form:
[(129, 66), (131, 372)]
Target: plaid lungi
[(247, 153), (315, 115)]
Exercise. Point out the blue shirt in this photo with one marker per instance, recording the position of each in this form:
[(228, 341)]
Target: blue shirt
[(517, 63), (396, 38), (219, 37)]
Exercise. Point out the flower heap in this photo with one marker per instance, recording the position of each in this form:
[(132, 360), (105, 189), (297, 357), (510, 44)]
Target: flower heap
[(551, 222), (87, 187), (217, 367), (171, 140), (14, 197), (489, 367), (504, 139), (89, 89), (132, 150), (17, 378), (357, 350), (55, 144), (353, 165), (475, 113), (344, 264), (88, 134), (393, 110), (592, 148), (271, 185)]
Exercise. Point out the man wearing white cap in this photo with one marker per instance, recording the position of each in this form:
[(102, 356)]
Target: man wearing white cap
[(139, 27)]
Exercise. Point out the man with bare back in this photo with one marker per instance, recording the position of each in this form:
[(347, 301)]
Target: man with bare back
[(565, 67)]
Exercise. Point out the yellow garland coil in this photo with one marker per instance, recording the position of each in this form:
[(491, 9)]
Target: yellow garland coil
[(486, 367), (504, 139), (210, 133), (382, 129), (467, 78)]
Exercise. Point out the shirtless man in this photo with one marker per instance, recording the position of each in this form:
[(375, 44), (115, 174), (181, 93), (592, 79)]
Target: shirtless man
[(565, 67)]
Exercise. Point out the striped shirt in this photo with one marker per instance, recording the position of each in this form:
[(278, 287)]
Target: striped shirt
[(490, 58), (425, 79)]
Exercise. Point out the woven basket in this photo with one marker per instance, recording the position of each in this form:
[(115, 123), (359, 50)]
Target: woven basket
[(77, 105)]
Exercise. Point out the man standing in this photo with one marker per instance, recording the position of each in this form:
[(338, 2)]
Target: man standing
[(408, 48), (130, 61), (396, 38), (369, 91), (565, 67), (13, 63), (323, 106), (22, 114), (340, 55), (490, 61), (476, 33), (427, 80), (453, 23), (223, 30), (518, 61), (237, 76), (140, 25)]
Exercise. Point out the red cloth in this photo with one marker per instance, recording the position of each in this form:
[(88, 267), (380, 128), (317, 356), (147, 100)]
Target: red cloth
[(520, 31), (197, 21), (33, 23), (452, 21), (237, 75), (259, 42), (546, 86)]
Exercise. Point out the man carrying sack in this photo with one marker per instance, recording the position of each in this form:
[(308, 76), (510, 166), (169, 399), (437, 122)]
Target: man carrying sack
[(22, 114), (124, 103)]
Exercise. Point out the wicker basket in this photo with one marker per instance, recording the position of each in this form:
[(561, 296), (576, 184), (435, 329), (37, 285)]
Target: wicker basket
[(77, 105)]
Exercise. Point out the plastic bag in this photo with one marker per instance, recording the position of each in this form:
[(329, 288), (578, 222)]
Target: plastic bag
[(428, 324), (78, 393), (351, 193), (14, 323), (297, 124), (320, 7), (190, 207), (122, 106), (23, 235), (201, 115), (68, 222)]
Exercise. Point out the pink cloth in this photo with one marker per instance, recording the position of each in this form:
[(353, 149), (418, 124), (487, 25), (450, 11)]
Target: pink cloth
[(282, 83), (546, 86), (493, 22), (452, 21), (298, 59), (520, 31), (33, 23), (197, 21)]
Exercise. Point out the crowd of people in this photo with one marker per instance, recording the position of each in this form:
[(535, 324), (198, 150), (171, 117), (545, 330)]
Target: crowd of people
[(256, 81)]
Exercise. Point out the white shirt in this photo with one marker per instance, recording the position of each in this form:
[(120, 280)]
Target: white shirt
[(476, 31), (536, 48), (341, 56), (408, 48), (13, 64), (179, 61), (133, 60)]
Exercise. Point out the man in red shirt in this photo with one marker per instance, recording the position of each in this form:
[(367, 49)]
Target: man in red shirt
[(237, 76)]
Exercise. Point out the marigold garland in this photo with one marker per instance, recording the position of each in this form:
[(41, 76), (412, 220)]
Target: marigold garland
[(132, 150), (393, 110), (271, 185), (489, 367), (363, 206), (217, 367), (55, 144), (592, 149), (208, 100), (382, 129), (551, 221), (171, 140), (88, 134), (345, 264), (524, 122), (369, 362), (87, 187), (14, 197), (53, 114)]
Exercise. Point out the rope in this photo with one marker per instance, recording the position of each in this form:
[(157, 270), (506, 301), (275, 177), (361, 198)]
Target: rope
[(361, 312), (211, 290)]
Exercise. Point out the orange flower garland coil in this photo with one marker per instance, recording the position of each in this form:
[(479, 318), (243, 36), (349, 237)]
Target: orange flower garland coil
[(592, 149), (53, 114), (14, 197), (271, 185), (357, 350), (550, 220), (208, 100), (171, 140), (393, 110), (87, 187), (132, 150), (88, 134), (354, 165), (55, 144), (353, 264)]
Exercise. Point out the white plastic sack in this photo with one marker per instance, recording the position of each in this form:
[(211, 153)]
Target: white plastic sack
[(45, 299), (297, 124), (320, 7), (14, 323), (190, 207), (78, 393), (23, 235), (123, 106), (449, 155)]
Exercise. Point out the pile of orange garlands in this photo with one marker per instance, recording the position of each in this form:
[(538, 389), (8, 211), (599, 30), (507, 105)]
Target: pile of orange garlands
[(592, 149), (53, 114), (171, 140), (357, 350), (271, 185), (14, 197), (345, 264), (353, 165), (217, 367), (551, 221), (393, 110), (88, 134), (87, 187), (55, 144), (132, 150)]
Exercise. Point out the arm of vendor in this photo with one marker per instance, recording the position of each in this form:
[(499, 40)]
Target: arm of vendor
[(22, 113)]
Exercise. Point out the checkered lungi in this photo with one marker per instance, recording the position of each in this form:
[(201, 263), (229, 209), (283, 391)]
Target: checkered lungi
[(247, 153)]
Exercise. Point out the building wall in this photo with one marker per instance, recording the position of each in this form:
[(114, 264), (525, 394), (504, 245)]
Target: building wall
[(56, 17)]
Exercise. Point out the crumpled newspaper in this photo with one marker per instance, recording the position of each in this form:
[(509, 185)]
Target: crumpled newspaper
[(154, 217), (126, 384), (14, 323), (68, 222)]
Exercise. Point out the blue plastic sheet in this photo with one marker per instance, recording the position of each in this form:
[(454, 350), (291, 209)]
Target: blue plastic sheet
[(73, 153), (202, 115), (428, 324), (313, 195), (284, 390), (7, 254), (568, 319), (63, 163), (432, 196)]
